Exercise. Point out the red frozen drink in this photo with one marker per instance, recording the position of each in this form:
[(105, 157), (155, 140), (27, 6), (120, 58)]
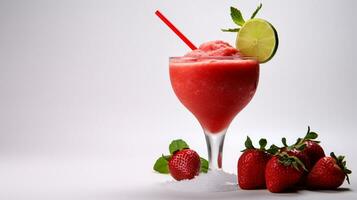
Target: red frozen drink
[(215, 83)]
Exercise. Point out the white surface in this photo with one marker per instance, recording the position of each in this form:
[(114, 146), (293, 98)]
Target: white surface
[(86, 104), (107, 179)]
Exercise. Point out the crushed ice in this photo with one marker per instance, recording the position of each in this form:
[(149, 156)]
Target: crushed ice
[(213, 181)]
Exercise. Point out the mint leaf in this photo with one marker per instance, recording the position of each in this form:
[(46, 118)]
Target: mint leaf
[(248, 143), (204, 165), (256, 11), (177, 145), (262, 143), (161, 165), (230, 30), (237, 16)]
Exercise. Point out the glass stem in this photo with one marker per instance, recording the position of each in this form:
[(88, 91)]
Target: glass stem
[(215, 148)]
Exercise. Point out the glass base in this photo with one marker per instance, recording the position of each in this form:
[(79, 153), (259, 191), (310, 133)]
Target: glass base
[(215, 143)]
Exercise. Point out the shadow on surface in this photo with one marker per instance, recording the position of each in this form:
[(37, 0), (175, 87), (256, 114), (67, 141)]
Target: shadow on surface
[(338, 190), (168, 194), (160, 193)]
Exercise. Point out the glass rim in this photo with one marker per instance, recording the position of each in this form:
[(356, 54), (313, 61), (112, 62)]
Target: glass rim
[(236, 57)]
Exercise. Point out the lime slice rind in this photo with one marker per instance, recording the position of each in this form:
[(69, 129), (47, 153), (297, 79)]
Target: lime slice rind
[(257, 38)]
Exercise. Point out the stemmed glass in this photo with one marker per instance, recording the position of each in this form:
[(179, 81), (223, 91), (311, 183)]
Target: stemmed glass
[(215, 89)]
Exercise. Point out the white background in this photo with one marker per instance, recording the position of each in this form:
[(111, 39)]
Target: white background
[(86, 105)]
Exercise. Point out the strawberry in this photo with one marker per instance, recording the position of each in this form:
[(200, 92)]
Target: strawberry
[(301, 155), (283, 172), (307, 150), (314, 151), (182, 163), (304, 159), (251, 166), (310, 150), (328, 173)]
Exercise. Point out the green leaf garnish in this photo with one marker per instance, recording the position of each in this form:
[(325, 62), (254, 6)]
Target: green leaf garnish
[(256, 11), (237, 16), (177, 145), (161, 165), (204, 165), (238, 19), (230, 30)]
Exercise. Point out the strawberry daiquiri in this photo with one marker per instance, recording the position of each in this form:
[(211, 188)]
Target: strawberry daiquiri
[(215, 83)]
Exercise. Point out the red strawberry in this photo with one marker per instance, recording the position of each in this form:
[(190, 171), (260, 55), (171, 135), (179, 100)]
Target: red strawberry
[(309, 146), (184, 164), (251, 166), (283, 172), (304, 159), (302, 156), (314, 151), (328, 173)]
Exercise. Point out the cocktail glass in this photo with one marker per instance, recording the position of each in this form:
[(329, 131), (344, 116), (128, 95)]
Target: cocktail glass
[(215, 89)]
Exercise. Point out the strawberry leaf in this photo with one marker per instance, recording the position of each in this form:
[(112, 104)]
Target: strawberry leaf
[(283, 140), (300, 163), (300, 147), (308, 130), (262, 143), (177, 145), (332, 154), (311, 136), (248, 143), (295, 165), (293, 161), (204, 165), (237, 16), (340, 158), (298, 141), (161, 165), (273, 149)]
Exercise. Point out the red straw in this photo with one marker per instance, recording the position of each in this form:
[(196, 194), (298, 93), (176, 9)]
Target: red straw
[(174, 29)]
